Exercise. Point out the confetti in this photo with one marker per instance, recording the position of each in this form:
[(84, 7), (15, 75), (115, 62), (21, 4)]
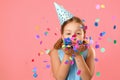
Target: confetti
[(114, 27), (45, 61), (102, 50), (70, 58), (96, 24), (47, 51), (78, 72), (34, 70), (115, 41), (81, 53), (48, 29), (71, 62), (48, 66), (97, 46), (32, 60), (66, 62), (40, 42), (98, 74), (97, 19), (35, 75), (102, 6), (97, 6), (37, 36), (102, 34), (37, 27), (45, 33), (38, 54), (96, 59)]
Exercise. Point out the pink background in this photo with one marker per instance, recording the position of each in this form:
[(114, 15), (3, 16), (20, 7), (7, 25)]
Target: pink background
[(22, 20)]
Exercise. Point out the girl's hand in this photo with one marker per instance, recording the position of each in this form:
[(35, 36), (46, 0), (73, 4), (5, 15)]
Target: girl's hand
[(69, 51)]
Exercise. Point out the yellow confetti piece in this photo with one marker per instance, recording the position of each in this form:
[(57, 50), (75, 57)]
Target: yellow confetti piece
[(68, 46), (63, 46), (37, 28), (41, 52), (70, 58), (102, 6)]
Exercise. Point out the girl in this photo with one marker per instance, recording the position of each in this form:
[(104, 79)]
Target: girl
[(79, 67)]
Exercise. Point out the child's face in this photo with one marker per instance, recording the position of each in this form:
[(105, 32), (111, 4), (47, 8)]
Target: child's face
[(71, 29)]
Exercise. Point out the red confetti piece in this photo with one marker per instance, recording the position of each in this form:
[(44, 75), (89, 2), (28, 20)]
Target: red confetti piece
[(32, 60), (38, 54)]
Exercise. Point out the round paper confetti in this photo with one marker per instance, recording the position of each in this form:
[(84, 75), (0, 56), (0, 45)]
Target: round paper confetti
[(97, 6), (96, 59), (40, 42), (102, 6), (45, 33), (115, 41), (34, 70), (32, 60), (114, 27), (102, 50), (97, 46), (37, 27), (35, 75), (48, 66), (97, 73), (102, 34), (72, 62), (96, 24), (97, 19), (66, 62), (78, 72), (37, 36)]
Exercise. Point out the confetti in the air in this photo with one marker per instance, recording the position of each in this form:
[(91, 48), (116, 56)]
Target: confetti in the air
[(115, 41), (98, 74), (102, 50), (102, 34), (37, 36)]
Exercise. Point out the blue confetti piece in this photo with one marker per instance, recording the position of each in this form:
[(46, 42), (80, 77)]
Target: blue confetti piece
[(67, 41), (35, 75), (97, 46), (102, 33), (96, 24), (114, 27)]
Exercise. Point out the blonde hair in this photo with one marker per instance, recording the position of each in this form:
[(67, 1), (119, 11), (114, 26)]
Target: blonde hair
[(59, 42)]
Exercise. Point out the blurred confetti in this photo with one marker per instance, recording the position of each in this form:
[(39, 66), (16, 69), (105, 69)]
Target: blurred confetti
[(98, 74)]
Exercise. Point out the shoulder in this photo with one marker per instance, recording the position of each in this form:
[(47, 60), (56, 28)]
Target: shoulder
[(91, 52)]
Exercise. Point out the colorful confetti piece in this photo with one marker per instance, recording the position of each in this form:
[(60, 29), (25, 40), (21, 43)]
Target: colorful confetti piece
[(97, 46), (37, 36), (102, 34), (97, 6), (40, 42), (78, 72), (47, 51), (71, 62), (102, 6), (96, 24), (115, 41), (32, 60), (66, 62), (96, 59), (102, 50), (98, 74), (114, 27), (35, 75), (45, 33), (48, 66)]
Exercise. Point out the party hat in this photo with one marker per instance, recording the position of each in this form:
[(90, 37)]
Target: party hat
[(63, 14)]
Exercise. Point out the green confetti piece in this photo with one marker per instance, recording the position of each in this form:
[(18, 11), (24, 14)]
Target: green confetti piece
[(115, 41), (102, 50), (81, 53), (98, 74)]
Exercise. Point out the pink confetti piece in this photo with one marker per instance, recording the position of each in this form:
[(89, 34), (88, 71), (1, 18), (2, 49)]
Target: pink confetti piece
[(78, 72), (40, 42), (97, 6)]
